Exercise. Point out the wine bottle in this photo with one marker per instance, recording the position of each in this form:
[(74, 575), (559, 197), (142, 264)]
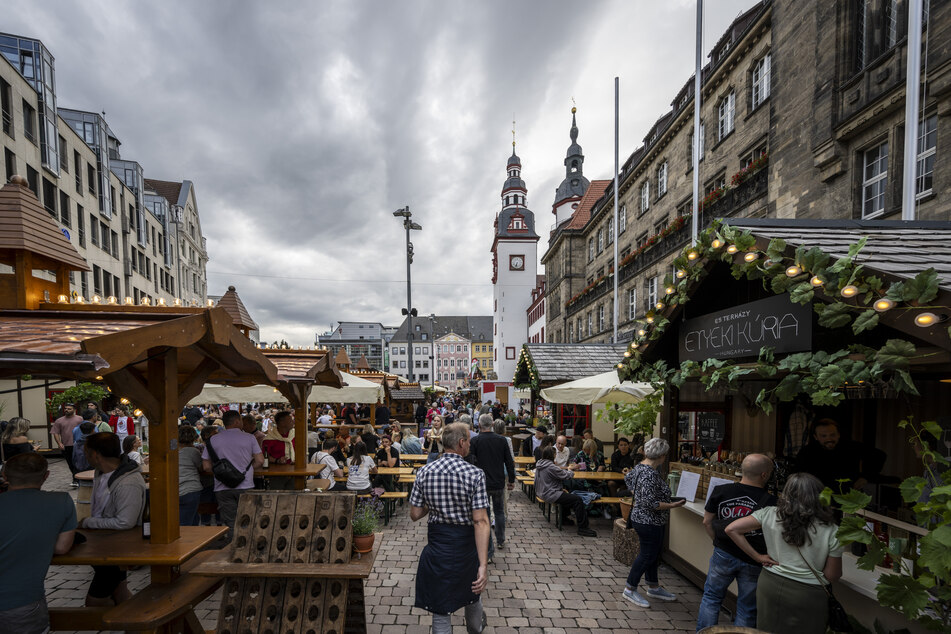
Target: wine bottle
[(267, 461), (147, 519)]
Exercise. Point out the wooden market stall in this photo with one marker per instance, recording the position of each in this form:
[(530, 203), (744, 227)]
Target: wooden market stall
[(769, 325), (543, 365), (403, 402)]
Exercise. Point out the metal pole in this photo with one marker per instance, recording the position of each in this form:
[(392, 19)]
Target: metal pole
[(409, 300), (697, 140), (912, 99), (617, 168)]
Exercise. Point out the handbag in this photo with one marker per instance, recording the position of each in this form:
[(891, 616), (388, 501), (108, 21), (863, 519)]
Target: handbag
[(838, 620), (225, 472)]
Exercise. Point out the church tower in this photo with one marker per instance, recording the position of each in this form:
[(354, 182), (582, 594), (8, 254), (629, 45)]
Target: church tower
[(575, 184), (514, 269)]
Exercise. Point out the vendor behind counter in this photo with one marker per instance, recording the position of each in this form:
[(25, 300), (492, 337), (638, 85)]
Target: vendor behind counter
[(831, 458)]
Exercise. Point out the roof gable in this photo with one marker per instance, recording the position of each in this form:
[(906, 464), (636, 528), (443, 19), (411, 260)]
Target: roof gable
[(583, 213), (25, 226), (235, 307)]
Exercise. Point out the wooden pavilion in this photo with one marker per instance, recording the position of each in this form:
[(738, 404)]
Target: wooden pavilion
[(239, 314)]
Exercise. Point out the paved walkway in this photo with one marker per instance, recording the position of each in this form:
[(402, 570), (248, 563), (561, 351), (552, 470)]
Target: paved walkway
[(522, 595)]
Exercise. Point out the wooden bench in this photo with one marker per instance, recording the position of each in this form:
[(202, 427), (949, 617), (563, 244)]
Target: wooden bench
[(389, 498), (149, 609), (546, 507), (528, 485)]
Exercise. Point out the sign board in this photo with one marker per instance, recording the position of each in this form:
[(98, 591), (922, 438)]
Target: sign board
[(687, 488), (711, 430), (742, 330)]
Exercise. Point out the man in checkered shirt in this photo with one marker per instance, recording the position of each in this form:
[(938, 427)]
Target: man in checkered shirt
[(452, 570)]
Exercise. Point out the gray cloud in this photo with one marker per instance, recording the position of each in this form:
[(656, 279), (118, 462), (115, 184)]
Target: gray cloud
[(304, 125)]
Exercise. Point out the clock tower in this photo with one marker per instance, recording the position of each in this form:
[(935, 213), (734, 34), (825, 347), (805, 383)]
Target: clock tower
[(514, 271)]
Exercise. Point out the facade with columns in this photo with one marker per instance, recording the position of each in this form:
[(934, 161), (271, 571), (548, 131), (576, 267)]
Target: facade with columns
[(514, 268)]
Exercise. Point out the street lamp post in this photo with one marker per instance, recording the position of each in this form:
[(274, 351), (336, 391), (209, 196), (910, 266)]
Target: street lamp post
[(409, 311), (432, 341)]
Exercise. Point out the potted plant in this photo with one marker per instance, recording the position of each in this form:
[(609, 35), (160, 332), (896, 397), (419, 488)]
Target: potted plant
[(366, 521)]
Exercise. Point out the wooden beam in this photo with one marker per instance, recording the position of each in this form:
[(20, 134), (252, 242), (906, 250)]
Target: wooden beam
[(300, 430), (192, 385), (163, 461)]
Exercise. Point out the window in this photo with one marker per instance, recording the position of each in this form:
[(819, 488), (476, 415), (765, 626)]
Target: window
[(752, 156), (91, 177), (861, 15), (600, 240), (452, 363), (759, 82), (651, 292), (662, 179), (571, 332), (601, 318), (49, 197), (458, 348), (9, 163), (611, 231), (590, 249), (63, 156), (645, 196), (93, 230), (81, 224), (402, 364), (417, 363), (96, 280), (874, 180), (632, 303), (621, 220), (77, 171), (29, 121), (661, 225), (590, 323), (416, 350), (33, 181), (510, 353), (7, 107), (726, 112), (641, 239), (927, 142), (891, 22), (64, 215), (580, 331)]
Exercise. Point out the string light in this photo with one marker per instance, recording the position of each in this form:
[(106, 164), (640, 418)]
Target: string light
[(144, 300), (98, 378), (627, 353), (681, 273), (64, 299), (641, 332), (124, 401), (816, 280), (650, 319), (128, 301), (926, 319), (692, 254), (137, 413), (80, 299), (176, 302), (883, 304), (659, 305), (210, 303), (96, 299), (851, 290), (717, 243), (669, 290), (793, 271), (752, 256), (160, 302), (112, 300)]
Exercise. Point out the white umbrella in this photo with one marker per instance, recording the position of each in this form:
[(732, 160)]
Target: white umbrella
[(355, 390), (600, 388)]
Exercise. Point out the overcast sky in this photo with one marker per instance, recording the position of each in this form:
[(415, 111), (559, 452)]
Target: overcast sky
[(304, 125)]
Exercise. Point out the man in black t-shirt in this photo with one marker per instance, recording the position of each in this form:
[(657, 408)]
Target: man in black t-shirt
[(726, 503), (387, 456)]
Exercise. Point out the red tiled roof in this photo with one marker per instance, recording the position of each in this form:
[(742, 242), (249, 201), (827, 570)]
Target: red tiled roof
[(583, 213), (168, 190)]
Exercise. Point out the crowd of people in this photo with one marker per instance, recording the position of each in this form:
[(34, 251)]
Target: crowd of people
[(780, 552)]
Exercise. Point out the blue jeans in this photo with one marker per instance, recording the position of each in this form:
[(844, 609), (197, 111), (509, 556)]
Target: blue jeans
[(497, 498), (724, 568), (652, 541), (188, 509)]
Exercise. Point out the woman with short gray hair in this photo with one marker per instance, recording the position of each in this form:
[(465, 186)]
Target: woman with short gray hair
[(649, 514)]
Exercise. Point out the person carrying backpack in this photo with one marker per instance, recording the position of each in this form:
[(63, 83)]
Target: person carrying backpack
[(80, 434), (231, 455)]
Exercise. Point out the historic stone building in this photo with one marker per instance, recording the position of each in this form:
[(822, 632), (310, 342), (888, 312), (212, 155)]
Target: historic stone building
[(802, 117)]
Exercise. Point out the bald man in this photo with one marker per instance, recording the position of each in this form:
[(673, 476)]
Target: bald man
[(726, 503)]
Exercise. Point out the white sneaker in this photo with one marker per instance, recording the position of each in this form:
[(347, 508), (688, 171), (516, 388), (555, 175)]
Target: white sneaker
[(634, 597), (660, 594)]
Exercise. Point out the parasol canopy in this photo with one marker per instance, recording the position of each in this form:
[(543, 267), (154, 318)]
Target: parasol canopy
[(600, 388)]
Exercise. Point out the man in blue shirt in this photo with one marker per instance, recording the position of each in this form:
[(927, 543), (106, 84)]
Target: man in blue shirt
[(37, 524)]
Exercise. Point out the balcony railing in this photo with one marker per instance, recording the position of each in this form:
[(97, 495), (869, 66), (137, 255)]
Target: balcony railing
[(7, 123), (732, 202)]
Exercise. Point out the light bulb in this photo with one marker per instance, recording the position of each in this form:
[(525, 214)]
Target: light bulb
[(176, 302), (883, 304), (98, 378), (63, 299), (793, 271), (659, 305), (850, 290), (717, 243), (96, 299), (124, 401), (620, 365), (731, 249), (160, 302), (650, 319), (692, 254), (669, 290), (816, 281), (144, 300), (752, 256), (79, 299), (112, 300), (681, 273), (641, 332), (128, 301), (210, 303), (627, 353), (137, 412), (926, 319)]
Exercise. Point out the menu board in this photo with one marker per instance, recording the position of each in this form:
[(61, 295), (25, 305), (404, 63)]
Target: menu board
[(711, 430)]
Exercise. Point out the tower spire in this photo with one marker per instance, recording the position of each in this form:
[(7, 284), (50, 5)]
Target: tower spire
[(575, 184)]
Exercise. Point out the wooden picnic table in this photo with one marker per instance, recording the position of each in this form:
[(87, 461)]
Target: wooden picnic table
[(524, 460), (593, 475), (414, 457), (127, 548), (289, 470)]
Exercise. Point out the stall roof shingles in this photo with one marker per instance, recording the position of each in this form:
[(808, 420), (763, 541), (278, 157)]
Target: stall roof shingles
[(411, 392), (235, 307), (25, 226), (570, 361), (899, 248)]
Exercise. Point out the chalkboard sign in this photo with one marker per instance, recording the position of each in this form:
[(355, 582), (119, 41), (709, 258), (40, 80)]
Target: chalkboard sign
[(711, 430), (742, 330)]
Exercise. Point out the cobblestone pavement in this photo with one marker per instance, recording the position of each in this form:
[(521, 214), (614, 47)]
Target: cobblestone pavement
[(545, 581)]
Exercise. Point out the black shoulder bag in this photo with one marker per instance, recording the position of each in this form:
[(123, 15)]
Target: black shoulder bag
[(838, 620), (225, 472)]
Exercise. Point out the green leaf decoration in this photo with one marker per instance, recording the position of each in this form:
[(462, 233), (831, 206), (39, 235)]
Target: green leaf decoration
[(766, 355), (744, 241), (788, 388), (912, 488), (874, 282), (933, 428), (814, 260), (936, 551), (903, 382), (827, 396), (831, 375), (833, 315), (896, 353), (776, 249), (852, 501), (852, 529), (780, 283), (896, 291), (873, 556), (802, 293), (866, 320), (902, 593), (923, 288)]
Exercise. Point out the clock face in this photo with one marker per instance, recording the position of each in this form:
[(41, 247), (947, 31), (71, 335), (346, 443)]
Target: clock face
[(517, 263)]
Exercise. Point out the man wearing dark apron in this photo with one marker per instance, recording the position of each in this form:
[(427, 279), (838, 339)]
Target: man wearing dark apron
[(452, 569)]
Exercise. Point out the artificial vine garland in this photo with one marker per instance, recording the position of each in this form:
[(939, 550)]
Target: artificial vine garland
[(858, 299)]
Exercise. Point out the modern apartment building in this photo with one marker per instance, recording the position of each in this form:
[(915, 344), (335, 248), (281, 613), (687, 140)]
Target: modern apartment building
[(130, 235), (358, 338), (802, 116), (433, 361)]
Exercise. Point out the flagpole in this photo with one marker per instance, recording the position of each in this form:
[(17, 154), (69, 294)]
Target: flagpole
[(697, 140), (912, 92), (616, 170)]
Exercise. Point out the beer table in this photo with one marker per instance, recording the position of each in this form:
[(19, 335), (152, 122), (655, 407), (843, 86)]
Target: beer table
[(593, 475), (414, 457), (524, 460), (289, 471)]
